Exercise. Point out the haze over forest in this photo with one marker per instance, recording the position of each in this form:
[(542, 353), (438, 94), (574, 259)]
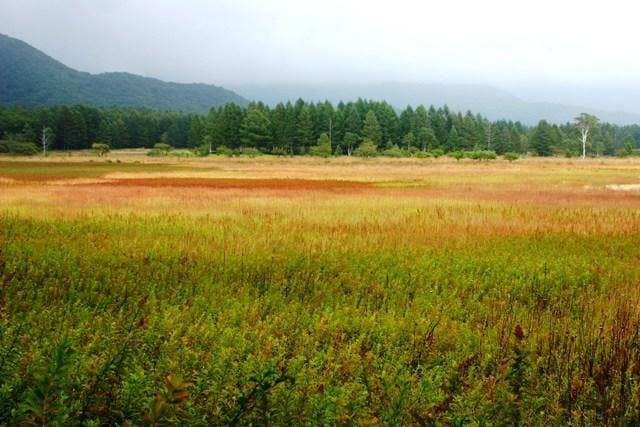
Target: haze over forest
[(499, 58)]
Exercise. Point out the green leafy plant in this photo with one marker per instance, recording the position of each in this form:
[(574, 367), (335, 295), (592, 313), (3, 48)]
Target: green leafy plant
[(100, 149)]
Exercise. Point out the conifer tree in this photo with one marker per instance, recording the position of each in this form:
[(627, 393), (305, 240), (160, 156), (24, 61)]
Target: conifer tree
[(304, 129), (371, 128), (255, 130)]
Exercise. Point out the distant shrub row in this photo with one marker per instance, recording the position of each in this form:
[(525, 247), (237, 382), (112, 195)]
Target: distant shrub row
[(18, 148)]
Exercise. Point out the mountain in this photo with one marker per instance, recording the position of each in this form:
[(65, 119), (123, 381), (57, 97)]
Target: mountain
[(491, 102), (29, 77)]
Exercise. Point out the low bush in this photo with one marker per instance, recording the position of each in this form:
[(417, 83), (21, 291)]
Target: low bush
[(458, 155), (223, 150), (19, 148), (393, 151), (250, 152), (511, 156), (424, 155), (159, 149), (366, 149), (481, 155), (321, 150), (279, 151), (100, 149), (437, 152), (201, 150)]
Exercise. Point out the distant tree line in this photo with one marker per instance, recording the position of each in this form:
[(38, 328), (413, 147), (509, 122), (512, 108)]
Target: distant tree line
[(307, 128)]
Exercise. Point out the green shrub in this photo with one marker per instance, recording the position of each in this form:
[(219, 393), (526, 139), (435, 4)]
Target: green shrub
[(182, 153), (279, 151), (366, 149), (393, 151), (481, 155), (20, 148), (437, 152), (159, 149), (456, 154), (201, 150), (161, 146), (511, 156), (223, 150), (250, 152), (100, 149), (424, 155), (488, 155), (323, 148)]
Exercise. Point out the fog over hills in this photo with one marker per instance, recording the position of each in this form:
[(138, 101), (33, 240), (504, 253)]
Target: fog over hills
[(29, 77), (492, 102)]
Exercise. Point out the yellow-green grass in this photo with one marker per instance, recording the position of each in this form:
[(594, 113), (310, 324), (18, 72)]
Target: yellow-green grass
[(394, 292)]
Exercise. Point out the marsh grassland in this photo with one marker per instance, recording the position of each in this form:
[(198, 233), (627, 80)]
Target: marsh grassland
[(306, 291)]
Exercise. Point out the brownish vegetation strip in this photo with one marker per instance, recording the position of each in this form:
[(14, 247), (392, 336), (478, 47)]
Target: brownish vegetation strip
[(248, 184)]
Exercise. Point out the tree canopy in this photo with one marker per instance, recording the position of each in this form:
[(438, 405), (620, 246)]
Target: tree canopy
[(296, 127)]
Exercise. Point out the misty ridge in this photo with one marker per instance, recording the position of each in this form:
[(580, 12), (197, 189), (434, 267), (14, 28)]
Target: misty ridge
[(489, 59), (29, 77), (492, 102)]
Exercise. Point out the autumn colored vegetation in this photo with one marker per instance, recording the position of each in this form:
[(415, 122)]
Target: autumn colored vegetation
[(287, 291)]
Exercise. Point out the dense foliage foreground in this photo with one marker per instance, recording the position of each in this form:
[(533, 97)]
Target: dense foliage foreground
[(309, 291)]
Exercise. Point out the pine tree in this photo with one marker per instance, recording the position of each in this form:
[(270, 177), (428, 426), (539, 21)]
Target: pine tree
[(542, 139), (255, 130), (228, 125), (439, 125), (371, 129), (350, 141), (352, 122), (323, 146), (324, 118), (196, 132), (389, 122), (453, 140), (304, 129), (502, 141), (420, 119), (71, 129), (278, 119), (628, 144), (426, 139), (408, 141), (406, 121), (469, 134)]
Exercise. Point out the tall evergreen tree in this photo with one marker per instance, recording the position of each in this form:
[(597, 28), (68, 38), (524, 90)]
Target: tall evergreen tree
[(543, 139), (304, 130), (352, 122), (278, 119), (420, 119), (255, 130), (371, 129), (406, 121), (228, 125), (427, 139), (454, 141), (196, 132), (408, 141), (350, 142)]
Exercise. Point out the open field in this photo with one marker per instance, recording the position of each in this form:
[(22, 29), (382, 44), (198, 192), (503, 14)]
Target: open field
[(311, 291)]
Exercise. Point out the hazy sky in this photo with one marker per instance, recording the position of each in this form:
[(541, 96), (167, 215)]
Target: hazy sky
[(506, 43)]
